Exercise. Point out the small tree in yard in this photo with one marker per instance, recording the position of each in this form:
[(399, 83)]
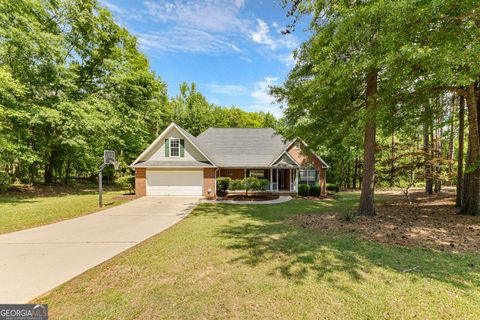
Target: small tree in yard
[(409, 171), (251, 183)]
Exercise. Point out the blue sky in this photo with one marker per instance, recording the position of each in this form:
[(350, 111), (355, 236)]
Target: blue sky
[(232, 49)]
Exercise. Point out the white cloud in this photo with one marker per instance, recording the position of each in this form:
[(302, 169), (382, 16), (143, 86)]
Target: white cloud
[(208, 15), (260, 93), (229, 89), (257, 93), (263, 36), (287, 59), (113, 7), (186, 40)]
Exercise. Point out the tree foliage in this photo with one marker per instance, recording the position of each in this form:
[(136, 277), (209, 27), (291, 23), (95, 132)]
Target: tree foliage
[(423, 53), (73, 83)]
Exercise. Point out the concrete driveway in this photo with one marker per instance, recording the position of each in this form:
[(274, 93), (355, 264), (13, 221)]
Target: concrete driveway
[(36, 260)]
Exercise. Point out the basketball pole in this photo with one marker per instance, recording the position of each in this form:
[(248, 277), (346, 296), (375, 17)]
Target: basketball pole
[(108, 158), (100, 189)]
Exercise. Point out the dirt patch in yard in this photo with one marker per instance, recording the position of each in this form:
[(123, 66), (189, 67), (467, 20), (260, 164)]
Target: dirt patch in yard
[(430, 221)]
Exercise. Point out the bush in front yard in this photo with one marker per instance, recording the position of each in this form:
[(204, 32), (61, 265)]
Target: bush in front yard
[(303, 189), (264, 184), (223, 184), (4, 181), (255, 184), (249, 184), (315, 190), (332, 187), (127, 183), (237, 185)]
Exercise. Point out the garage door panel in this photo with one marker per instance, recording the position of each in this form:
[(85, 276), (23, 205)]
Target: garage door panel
[(188, 182)]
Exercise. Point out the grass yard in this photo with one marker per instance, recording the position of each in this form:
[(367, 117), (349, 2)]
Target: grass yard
[(231, 261), (31, 208)]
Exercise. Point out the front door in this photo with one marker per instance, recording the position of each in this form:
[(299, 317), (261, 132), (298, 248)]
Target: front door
[(281, 177)]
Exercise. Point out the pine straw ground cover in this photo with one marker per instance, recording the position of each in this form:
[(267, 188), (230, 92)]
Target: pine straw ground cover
[(430, 221), (250, 262)]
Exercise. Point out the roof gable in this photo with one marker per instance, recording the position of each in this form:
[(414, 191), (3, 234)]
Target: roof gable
[(156, 147)]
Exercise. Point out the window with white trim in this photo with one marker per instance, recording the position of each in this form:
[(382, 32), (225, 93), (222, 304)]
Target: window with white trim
[(307, 176), (174, 147)]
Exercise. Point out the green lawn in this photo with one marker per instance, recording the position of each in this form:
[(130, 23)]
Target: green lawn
[(230, 261), (23, 210)]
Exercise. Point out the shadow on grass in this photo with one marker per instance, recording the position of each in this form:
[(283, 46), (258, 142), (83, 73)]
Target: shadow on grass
[(259, 235), (28, 194)]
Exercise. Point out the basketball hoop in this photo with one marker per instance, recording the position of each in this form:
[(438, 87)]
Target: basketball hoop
[(116, 165), (108, 157)]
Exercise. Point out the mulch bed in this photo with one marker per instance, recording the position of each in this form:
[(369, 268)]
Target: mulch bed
[(253, 197), (431, 221)]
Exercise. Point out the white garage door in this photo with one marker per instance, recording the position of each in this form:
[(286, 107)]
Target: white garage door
[(174, 183)]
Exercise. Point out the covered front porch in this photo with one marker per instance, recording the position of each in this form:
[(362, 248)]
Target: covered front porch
[(282, 180)]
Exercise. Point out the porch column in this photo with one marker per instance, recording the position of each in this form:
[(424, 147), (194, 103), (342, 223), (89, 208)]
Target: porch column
[(296, 179), (290, 180)]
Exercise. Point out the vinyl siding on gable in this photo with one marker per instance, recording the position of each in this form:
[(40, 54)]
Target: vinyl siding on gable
[(190, 152)]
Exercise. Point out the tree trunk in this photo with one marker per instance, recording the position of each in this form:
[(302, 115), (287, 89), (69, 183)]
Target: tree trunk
[(349, 169), (451, 138), (355, 173), (48, 174), (367, 206), (471, 206), (67, 171), (426, 150), (392, 163), (461, 137)]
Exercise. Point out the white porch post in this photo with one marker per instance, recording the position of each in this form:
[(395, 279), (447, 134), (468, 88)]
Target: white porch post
[(296, 179), (290, 182)]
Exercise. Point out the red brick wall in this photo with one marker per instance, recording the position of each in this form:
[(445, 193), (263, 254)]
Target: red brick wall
[(233, 173), (301, 156), (141, 182), (209, 183)]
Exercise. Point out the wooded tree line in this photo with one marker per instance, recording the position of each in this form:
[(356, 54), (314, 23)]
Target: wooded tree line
[(383, 87), (73, 83)]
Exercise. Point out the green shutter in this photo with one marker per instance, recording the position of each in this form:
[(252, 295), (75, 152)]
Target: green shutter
[(182, 148), (167, 148)]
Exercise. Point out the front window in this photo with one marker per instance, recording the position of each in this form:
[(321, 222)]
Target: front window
[(174, 147), (257, 173), (308, 176)]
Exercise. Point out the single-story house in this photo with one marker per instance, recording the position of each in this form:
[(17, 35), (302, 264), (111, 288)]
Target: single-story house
[(177, 163)]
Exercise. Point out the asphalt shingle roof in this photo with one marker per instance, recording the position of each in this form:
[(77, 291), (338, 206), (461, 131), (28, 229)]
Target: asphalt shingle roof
[(161, 164), (239, 147)]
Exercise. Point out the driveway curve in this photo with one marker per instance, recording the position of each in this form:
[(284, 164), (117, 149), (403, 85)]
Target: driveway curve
[(36, 260)]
